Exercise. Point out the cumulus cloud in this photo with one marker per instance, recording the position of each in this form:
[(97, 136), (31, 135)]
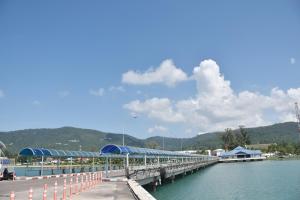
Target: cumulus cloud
[(97, 92), (2, 94), (292, 61), (217, 106), (157, 128), (159, 108), (167, 73)]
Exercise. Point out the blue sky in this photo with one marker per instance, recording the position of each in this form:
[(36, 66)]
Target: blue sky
[(62, 63)]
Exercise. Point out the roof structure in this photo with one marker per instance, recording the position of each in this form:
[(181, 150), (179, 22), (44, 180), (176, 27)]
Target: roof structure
[(39, 152), (240, 151), (112, 149)]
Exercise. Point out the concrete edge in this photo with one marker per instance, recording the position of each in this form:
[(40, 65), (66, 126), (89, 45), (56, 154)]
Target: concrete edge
[(138, 191)]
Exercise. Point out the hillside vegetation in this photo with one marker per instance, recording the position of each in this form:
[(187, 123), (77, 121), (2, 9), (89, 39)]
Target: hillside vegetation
[(91, 140)]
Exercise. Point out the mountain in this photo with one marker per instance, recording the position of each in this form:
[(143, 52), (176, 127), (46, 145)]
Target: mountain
[(91, 140)]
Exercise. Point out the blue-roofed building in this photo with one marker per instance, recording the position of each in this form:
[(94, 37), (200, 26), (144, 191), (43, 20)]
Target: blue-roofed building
[(241, 154)]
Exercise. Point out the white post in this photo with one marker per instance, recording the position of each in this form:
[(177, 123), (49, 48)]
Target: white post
[(127, 160), (71, 166), (42, 168), (106, 167), (110, 164), (123, 137), (158, 160), (145, 160), (93, 164)]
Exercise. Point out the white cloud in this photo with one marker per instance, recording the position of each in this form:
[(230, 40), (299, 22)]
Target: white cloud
[(116, 88), (167, 73), (292, 61), (217, 106), (36, 103), (64, 93), (97, 92), (157, 128), (155, 108), (2, 94)]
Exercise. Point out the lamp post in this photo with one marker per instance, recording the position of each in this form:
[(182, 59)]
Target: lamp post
[(133, 115), (123, 136)]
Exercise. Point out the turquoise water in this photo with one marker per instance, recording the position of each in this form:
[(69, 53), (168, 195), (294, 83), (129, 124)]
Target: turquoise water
[(265, 180)]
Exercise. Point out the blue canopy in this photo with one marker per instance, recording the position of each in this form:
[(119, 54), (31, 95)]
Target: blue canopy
[(123, 150), (56, 153), (241, 151)]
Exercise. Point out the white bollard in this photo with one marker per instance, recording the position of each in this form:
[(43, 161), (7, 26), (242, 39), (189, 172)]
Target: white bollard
[(45, 192), (55, 191), (12, 195), (30, 194)]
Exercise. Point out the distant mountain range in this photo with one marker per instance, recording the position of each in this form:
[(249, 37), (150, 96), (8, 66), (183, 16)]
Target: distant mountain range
[(91, 140)]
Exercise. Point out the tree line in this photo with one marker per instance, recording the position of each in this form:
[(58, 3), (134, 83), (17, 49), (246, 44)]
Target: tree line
[(233, 139)]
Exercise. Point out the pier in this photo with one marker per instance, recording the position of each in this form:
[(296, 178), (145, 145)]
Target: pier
[(137, 167)]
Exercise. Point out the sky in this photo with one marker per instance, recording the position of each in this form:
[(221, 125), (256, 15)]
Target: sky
[(173, 68)]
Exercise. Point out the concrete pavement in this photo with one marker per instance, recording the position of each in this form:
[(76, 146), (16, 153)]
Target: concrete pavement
[(107, 191)]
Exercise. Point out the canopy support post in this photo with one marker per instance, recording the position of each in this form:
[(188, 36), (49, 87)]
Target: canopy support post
[(42, 167), (127, 160), (145, 160), (93, 164), (106, 167), (71, 166)]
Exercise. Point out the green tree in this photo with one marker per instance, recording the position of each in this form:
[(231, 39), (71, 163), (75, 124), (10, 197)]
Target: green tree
[(243, 136), (152, 145), (228, 138)]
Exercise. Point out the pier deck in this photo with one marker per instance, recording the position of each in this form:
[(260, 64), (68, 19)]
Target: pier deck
[(105, 190)]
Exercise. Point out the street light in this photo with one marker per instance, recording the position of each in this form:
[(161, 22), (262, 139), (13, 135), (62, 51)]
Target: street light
[(133, 115)]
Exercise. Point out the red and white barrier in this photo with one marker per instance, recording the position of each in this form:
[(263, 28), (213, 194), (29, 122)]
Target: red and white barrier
[(86, 181)]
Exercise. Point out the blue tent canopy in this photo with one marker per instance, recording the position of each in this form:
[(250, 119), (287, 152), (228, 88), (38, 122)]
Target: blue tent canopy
[(123, 150), (56, 153), (240, 151)]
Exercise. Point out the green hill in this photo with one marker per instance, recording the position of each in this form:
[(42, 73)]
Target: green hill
[(91, 140)]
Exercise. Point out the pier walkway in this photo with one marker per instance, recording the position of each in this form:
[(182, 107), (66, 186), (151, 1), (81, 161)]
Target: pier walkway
[(100, 190), (141, 166)]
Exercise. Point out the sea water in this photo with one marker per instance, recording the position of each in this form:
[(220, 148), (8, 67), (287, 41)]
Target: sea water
[(262, 180)]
